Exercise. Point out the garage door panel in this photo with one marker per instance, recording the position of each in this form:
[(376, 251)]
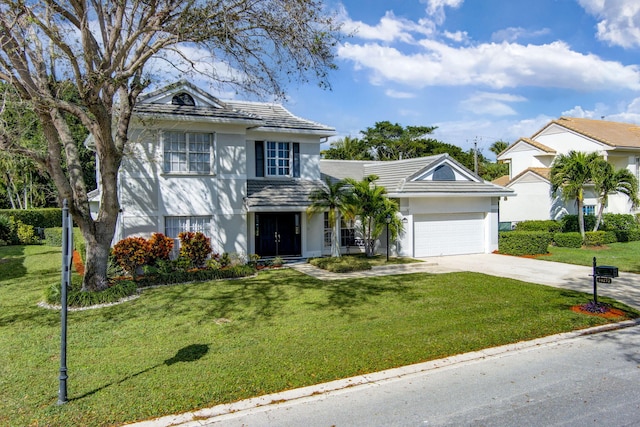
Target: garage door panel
[(453, 234)]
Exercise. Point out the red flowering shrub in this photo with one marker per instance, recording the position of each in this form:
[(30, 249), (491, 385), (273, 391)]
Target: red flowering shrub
[(160, 247), (195, 247), (131, 253)]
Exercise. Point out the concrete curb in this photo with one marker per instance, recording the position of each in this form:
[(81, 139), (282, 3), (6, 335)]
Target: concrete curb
[(203, 417)]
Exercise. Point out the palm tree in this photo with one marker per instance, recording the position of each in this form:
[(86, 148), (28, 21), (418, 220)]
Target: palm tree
[(608, 181), (331, 197), (569, 173), (371, 205), (498, 147)]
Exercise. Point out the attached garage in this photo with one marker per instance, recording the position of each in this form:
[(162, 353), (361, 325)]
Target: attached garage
[(446, 209), (450, 234)]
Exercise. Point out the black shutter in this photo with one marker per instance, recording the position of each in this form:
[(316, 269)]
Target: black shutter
[(259, 158), (296, 160)]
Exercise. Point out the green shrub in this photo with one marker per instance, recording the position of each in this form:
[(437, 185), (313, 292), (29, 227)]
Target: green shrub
[(40, 217), (53, 236), (27, 234), (570, 223), (159, 276), (341, 265), (8, 230), (614, 222), (610, 237), (594, 238), (539, 225), (568, 240), (78, 298), (627, 235), (524, 242)]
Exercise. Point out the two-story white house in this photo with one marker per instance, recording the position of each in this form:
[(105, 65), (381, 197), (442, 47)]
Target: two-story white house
[(242, 172), (530, 161)]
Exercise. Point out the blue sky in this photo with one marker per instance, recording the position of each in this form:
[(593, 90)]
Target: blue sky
[(479, 70)]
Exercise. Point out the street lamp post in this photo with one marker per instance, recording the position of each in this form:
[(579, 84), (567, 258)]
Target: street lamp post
[(388, 220)]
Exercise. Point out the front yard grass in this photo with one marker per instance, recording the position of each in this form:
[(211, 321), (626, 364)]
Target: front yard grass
[(183, 347), (625, 256)]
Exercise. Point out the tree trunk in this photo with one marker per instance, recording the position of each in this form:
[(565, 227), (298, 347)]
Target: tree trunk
[(599, 217), (580, 216), (335, 241)]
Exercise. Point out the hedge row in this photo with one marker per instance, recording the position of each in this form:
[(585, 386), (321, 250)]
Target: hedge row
[(42, 217), (524, 242)]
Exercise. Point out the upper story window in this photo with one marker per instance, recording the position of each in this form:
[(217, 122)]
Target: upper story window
[(278, 158), (187, 152)]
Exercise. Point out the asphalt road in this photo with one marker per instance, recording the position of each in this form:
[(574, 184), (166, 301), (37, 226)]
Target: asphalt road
[(589, 380)]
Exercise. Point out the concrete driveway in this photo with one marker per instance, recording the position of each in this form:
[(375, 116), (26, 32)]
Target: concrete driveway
[(625, 288)]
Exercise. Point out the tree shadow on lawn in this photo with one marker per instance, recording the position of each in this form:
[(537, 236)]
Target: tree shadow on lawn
[(190, 353), (347, 295)]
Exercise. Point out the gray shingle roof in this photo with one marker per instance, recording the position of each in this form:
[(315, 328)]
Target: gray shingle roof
[(280, 193)]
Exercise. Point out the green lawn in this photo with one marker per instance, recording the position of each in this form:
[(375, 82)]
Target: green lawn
[(625, 256), (183, 347)]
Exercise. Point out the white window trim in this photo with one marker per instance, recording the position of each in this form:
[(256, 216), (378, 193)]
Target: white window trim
[(277, 157)]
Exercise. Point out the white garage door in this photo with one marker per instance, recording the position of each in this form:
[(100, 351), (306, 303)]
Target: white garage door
[(451, 234)]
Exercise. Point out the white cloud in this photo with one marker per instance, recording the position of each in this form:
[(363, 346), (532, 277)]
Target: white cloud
[(391, 93), (619, 20), (458, 36), (512, 34), (628, 113), (493, 65), (389, 29), (494, 104), (435, 8)]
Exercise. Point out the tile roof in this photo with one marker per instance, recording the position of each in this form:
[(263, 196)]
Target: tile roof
[(614, 134), (544, 173), (279, 193), (276, 116), (262, 115), (501, 181), (396, 176)]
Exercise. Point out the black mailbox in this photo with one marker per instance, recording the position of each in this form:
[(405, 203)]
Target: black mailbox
[(606, 271)]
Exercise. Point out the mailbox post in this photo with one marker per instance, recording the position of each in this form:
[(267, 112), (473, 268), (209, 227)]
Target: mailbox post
[(602, 274)]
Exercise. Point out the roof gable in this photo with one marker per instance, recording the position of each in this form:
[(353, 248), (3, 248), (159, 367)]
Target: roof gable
[(444, 169), (531, 175), (612, 134), (165, 95), (526, 144)]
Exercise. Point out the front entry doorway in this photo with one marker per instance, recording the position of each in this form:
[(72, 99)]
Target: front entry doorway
[(278, 234)]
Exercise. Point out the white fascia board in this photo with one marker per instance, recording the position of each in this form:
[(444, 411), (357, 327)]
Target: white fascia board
[(259, 209), (434, 195), (272, 130)]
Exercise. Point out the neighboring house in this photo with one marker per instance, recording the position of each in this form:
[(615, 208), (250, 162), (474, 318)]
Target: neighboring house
[(446, 209), (242, 172), (530, 160)]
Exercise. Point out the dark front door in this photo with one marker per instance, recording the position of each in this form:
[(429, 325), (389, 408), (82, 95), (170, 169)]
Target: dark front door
[(278, 234)]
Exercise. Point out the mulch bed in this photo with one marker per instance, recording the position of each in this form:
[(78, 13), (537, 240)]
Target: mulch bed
[(609, 313), (77, 263)]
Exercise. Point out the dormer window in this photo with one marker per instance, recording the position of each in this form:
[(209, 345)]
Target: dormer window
[(183, 98), (444, 173)]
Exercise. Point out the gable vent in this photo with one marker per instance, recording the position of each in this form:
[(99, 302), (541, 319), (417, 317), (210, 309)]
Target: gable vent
[(183, 98)]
